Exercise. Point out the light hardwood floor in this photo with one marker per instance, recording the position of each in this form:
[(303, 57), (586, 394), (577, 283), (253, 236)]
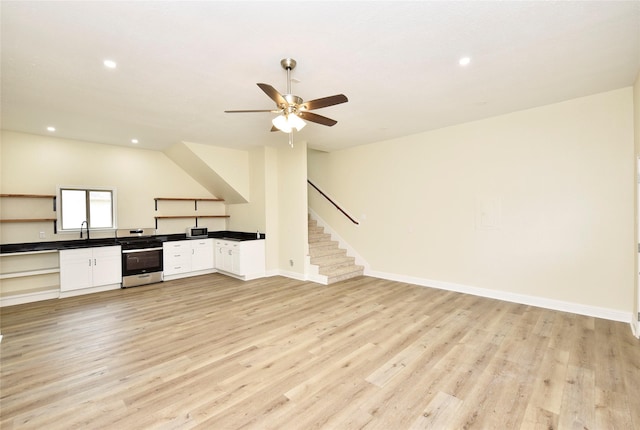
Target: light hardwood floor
[(213, 352)]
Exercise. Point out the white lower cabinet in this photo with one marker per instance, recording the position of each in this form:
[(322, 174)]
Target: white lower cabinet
[(244, 259), (90, 268), (187, 257), (176, 257), (228, 256)]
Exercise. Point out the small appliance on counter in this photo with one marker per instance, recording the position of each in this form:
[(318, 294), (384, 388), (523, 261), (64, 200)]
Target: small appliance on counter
[(197, 232)]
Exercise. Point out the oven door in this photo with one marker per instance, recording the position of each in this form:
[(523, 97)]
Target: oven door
[(138, 261)]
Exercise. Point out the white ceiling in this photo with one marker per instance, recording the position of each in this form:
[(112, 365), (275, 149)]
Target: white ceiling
[(181, 64)]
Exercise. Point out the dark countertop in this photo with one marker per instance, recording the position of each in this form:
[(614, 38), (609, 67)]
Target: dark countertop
[(91, 243)]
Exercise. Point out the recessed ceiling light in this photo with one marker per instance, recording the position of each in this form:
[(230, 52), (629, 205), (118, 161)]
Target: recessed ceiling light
[(134, 140), (51, 128), (110, 64), (464, 61)]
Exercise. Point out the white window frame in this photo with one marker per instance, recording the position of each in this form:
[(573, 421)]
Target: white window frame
[(114, 207)]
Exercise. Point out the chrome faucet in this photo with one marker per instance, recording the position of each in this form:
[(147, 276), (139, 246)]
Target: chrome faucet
[(87, 224)]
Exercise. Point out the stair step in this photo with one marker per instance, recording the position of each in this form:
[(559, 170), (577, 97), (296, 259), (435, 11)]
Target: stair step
[(346, 273), (331, 261), (319, 237), (340, 256), (323, 244), (325, 251)]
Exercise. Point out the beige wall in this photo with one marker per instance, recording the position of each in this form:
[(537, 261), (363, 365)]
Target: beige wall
[(292, 209), (250, 216), (534, 203), (275, 180), (34, 164), (259, 212)]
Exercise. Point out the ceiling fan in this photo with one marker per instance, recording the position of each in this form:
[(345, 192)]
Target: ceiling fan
[(292, 110)]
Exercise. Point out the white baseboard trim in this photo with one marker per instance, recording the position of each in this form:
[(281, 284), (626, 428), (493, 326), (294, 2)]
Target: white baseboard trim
[(318, 279), (635, 328), (20, 299), (187, 274), (541, 302), (270, 273), (293, 275), (73, 293)]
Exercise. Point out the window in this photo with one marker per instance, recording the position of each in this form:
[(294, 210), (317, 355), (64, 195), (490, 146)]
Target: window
[(95, 206)]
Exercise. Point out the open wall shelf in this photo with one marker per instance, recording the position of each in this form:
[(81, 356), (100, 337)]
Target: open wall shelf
[(33, 196), (195, 207), (179, 199)]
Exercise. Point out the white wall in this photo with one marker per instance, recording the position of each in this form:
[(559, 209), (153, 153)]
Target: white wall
[(537, 203)]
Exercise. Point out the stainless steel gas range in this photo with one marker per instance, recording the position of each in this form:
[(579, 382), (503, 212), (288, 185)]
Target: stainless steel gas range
[(141, 256)]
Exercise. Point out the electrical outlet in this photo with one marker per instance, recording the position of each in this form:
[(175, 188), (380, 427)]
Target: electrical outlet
[(42, 236)]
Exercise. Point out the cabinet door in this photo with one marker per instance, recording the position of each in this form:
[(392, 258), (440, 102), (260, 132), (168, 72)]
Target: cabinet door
[(218, 258), (251, 260), (224, 256), (236, 260), (107, 265), (76, 268), (202, 254)]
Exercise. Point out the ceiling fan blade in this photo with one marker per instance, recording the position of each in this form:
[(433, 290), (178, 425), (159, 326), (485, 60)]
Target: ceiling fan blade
[(274, 95), (325, 101), (319, 119), (274, 128), (246, 111)]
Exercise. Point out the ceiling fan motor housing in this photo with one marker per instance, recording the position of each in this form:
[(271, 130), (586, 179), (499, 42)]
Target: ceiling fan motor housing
[(294, 103)]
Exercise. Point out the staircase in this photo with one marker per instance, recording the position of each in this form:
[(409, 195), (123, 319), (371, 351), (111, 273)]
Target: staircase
[(330, 263)]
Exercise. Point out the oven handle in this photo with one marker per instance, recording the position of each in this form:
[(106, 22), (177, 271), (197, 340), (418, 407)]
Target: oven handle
[(130, 251)]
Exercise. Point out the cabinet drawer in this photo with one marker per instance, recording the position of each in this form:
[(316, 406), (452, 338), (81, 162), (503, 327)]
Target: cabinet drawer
[(176, 246), (177, 255)]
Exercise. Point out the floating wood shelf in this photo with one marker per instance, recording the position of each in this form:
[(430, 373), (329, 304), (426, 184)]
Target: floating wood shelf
[(33, 196), (191, 216), (28, 220), (190, 199)]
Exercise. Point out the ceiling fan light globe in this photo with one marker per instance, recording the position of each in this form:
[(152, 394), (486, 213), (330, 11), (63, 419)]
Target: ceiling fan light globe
[(281, 123), (296, 122)]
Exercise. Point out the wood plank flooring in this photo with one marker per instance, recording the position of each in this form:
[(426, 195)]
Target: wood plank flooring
[(213, 352)]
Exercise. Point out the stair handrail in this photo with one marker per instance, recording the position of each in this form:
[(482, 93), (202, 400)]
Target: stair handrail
[(332, 202)]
